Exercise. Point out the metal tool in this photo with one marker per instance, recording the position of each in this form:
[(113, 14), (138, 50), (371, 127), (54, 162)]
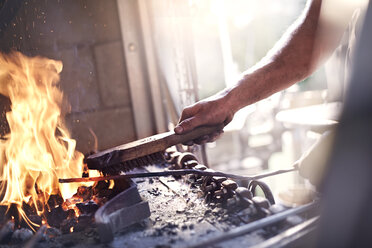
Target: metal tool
[(177, 173), (143, 152), (121, 211)]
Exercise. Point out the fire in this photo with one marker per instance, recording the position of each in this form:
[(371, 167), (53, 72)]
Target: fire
[(38, 150)]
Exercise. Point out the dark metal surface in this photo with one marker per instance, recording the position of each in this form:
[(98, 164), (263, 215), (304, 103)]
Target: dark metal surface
[(242, 230), (123, 210), (293, 236)]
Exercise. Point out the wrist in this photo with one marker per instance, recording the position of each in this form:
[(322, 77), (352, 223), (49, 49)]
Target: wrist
[(235, 96), (230, 100)]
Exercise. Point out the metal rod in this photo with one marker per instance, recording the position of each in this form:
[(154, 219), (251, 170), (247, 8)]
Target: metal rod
[(177, 173), (291, 235), (242, 230)]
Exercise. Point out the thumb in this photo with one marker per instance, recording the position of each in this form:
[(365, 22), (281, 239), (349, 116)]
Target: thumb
[(186, 125)]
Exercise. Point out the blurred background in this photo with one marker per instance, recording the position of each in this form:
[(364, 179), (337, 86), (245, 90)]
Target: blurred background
[(131, 66)]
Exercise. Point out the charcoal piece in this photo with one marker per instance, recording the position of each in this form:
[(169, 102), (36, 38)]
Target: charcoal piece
[(101, 185), (84, 192), (84, 221), (90, 232), (68, 243), (55, 200), (67, 225), (108, 193), (6, 232), (13, 213), (29, 210), (87, 208), (56, 216), (21, 235), (3, 210), (53, 232), (71, 213), (154, 191), (101, 200), (36, 219), (245, 215), (234, 220)]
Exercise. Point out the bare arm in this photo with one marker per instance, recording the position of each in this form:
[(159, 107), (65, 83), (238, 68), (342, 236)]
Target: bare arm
[(295, 56)]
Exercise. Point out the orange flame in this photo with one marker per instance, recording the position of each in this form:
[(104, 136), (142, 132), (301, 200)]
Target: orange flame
[(38, 150)]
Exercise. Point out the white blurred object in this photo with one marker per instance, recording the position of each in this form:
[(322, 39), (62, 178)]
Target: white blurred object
[(317, 115)]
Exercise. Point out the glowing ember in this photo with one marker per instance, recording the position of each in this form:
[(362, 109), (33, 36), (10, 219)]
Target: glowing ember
[(38, 150)]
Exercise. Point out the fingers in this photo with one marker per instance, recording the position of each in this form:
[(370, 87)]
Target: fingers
[(205, 139), (188, 112), (187, 125), (228, 119), (215, 136)]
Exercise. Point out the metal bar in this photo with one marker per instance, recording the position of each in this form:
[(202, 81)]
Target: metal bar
[(242, 230), (177, 173), (291, 235)]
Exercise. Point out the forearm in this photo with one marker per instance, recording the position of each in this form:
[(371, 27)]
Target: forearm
[(295, 56), (310, 40)]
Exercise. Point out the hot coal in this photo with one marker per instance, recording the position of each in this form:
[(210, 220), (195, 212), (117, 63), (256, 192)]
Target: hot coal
[(34, 219), (53, 232), (56, 216), (68, 225), (84, 221), (55, 200), (87, 208), (100, 185), (84, 193)]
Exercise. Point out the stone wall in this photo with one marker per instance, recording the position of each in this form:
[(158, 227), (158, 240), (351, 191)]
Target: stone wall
[(85, 36)]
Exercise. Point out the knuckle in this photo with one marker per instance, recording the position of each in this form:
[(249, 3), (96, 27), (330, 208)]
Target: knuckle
[(187, 124)]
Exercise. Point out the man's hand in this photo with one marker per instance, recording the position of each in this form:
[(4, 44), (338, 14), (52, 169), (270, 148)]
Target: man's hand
[(211, 111)]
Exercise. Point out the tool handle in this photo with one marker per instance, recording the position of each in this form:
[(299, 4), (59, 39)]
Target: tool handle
[(197, 132)]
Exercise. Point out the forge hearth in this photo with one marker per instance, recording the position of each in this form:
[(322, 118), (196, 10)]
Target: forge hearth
[(153, 212)]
